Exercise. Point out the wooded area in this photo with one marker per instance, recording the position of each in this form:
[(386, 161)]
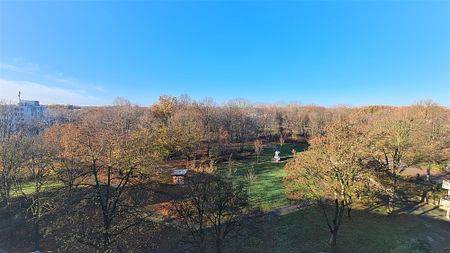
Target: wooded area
[(88, 179)]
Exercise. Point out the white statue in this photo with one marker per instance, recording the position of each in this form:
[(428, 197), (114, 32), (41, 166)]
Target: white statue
[(277, 156)]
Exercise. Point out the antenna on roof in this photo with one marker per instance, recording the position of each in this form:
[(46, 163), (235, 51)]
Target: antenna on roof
[(19, 96)]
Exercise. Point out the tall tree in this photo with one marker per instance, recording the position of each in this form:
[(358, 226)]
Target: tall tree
[(331, 169), (36, 174), (394, 146), (185, 132), (258, 144), (212, 203), (434, 133), (13, 155), (113, 151)]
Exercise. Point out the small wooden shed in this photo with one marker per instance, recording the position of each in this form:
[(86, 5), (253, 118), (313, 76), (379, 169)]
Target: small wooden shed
[(178, 176)]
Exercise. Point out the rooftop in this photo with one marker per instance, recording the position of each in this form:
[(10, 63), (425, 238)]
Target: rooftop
[(179, 172), (28, 103)]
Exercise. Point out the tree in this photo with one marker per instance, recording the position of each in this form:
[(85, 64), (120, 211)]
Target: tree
[(36, 172), (207, 112), (164, 109), (185, 132), (8, 121), (63, 139), (12, 156), (433, 134), (332, 168), (393, 145), (238, 122), (230, 165), (112, 150), (212, 203), (280, 118), (258, 148)]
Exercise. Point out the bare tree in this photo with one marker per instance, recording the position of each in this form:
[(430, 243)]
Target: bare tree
[(230, 165), (214, 208), (258, 144)]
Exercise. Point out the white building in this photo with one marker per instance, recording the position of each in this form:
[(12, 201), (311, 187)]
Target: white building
[(27, 110)]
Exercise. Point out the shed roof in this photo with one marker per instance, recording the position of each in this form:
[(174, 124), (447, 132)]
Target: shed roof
[(179, 172)]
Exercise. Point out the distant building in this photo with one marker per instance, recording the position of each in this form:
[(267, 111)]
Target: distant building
[(26, 115), (179, 176), (27, 110)]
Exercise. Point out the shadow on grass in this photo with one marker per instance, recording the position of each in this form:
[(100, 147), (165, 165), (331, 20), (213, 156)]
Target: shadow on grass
[(306, 231)]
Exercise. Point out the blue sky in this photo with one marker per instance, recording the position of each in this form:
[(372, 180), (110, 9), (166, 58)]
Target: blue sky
[(312, 52)]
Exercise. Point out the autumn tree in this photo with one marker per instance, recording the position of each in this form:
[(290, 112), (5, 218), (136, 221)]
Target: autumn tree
[(59, 114), (35, 174), (296, 120), (258, 144), (185, 131), (433, 134), (238, 122), (8, 121), (13, 149), (164, 109), (62, 139), (331, 169), (394, 146), (112, 150), (210, 122), (280, 121)]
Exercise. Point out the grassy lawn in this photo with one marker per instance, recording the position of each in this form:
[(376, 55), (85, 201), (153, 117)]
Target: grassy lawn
[(29, 188), (266, 191), (306, 231)]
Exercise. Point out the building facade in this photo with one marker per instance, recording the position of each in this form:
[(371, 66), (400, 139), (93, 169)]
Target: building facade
[(27, 110)]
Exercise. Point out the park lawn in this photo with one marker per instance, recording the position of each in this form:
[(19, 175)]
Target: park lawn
[(267, 190), (29, 188), (306, 231)]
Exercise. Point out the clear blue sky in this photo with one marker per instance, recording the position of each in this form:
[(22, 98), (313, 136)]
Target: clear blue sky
[(313, 52)]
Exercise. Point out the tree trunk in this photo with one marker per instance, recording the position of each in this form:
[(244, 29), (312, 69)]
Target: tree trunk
[(218, 245), (208, 149), (348, 204), (10, 218), (106, 242), (333, 238), (393, 194), (37, 235), (333, 226)]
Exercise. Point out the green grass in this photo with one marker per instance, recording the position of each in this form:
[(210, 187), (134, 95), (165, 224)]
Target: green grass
[(29, 188), (267, 191), (306, 231)]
